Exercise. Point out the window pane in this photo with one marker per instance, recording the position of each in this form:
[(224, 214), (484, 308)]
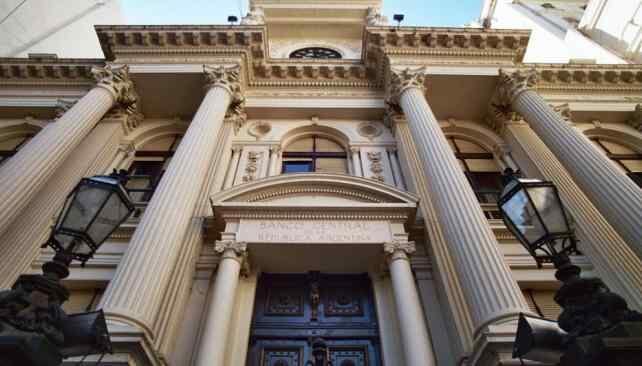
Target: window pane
[(297, 166), (482, 165), (325, 145), (488, 186), (302, 145), (616, 148), (338, 166), (469, 147), (633, 165)]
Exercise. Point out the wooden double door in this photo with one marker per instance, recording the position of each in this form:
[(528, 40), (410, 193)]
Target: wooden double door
[(292, 310)]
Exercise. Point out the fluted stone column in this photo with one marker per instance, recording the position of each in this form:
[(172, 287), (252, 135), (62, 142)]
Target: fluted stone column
[(356, 161), (135, 293), (22, 176), (218, 315), (491, 292), (231, 169), (417, 347), (396, 169), (275, 151), (20, 243), (615, 262), (617, 197)]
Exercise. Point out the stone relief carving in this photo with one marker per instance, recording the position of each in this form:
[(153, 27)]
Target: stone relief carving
[(407, 247), (498, 115), (117, 81), (375, 18), (256, 16), (252, 166), (376, 166), (510, 85), (636, 120)]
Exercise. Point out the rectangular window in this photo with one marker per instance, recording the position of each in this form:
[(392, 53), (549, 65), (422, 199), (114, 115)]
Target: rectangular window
[(297, 166)]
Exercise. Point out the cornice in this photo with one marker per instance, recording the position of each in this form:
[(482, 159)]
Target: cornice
[(578, 78), (61, 72)]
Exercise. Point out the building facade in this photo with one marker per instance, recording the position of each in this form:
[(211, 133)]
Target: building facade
[(314, 172)]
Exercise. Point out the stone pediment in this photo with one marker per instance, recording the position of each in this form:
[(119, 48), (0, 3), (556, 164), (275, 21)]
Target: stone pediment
[(314, 196)]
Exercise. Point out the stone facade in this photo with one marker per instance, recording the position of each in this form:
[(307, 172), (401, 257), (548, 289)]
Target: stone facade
[(381, 157)]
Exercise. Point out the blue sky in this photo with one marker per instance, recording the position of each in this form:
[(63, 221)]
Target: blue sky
[(417, 12)]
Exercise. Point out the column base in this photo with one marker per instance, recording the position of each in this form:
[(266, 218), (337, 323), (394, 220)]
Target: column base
[(494, 347), (132, 347)]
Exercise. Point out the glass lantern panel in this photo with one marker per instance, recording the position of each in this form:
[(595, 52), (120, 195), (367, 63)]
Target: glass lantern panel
[(83, 207), (108, 219), (72, 244), (550, 209), (522, 214)]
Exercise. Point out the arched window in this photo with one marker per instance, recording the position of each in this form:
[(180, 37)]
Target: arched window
[(9, 147), (148, 167), (315, 154), (480, 168), (627, 159), (315, 52)]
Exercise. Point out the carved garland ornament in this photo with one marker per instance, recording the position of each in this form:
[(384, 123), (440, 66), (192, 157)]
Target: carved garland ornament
[(116, 80)]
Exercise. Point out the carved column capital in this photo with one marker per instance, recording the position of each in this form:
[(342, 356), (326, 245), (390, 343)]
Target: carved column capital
[(237, 148), (117, 81), (406, 247), (636, 119), (355, 149), (239, 247), (230, 79), (400, 79), (511, 84), (275, 149)]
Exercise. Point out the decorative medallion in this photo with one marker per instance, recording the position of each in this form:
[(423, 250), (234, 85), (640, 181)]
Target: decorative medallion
[(259, 129), (369, 130)]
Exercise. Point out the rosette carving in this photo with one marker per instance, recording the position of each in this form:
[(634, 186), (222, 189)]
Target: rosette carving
[(116, 80), (511, 85), (401, 79)]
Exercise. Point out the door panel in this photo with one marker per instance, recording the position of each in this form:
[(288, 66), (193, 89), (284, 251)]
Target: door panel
[(291, 309)]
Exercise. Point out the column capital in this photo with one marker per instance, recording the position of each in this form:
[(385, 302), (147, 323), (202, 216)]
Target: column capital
[(400, 79), (275, 149), (228, 77), (511, 84), (402, 246), (237, 148), (391, 149), (239, 247), (355, 149), (116, 80)]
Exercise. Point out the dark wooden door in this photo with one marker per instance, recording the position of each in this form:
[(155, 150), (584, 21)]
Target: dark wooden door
[(290, 310)]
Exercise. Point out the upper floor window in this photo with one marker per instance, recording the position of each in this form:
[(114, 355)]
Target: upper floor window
[(315, 52), (10, 147), (315, 154), (148, 167), (626, 158), (480, 168)]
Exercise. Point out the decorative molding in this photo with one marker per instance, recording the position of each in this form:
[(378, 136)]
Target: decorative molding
[(252, 166), (117, 81), (402, 79), (511, 84), (256, 16), (408, 247), (376, 166), (259, 129), (375, 18), (636, 119), (54, 72)]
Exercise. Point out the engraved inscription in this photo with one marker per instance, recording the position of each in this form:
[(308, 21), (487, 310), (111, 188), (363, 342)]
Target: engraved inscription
[(318, 231)]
